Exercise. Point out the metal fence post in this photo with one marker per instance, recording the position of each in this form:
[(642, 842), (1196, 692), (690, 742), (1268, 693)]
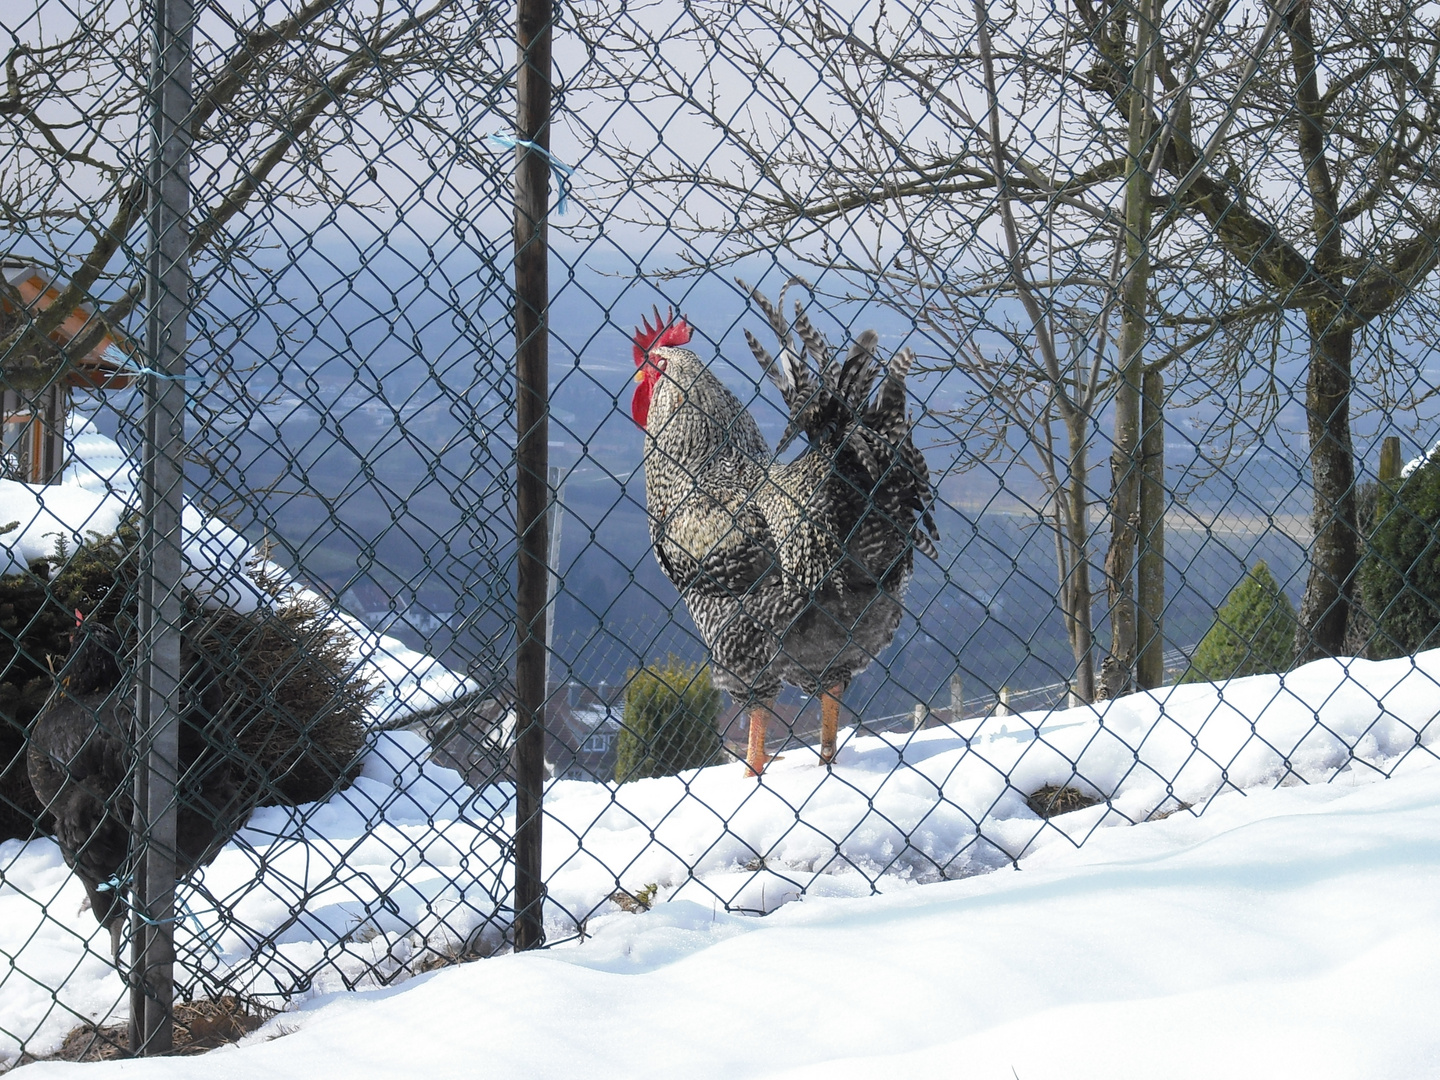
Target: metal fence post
[(161, 487), (533, 21), (554, 519)]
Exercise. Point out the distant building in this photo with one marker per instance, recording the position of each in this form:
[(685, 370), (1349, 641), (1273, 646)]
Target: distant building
[(583, 742), (473, 735), (32, 422)]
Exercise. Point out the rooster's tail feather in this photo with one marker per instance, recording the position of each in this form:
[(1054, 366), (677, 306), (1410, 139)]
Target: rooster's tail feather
[(833, 405)]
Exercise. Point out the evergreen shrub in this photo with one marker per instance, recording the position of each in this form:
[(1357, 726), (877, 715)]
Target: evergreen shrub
[(671, 709), (1253, 633), (1400, 575), (274, 690)]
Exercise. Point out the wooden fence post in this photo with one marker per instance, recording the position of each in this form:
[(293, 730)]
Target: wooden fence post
[(532, 431)]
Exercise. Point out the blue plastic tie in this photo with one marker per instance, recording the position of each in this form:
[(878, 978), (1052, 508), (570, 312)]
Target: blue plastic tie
[(207, 938), (114, 883), (163, 375), (562, 171), (125, 366)]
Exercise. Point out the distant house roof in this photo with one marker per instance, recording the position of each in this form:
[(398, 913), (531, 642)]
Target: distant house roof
[(102, 367), (594, 718)]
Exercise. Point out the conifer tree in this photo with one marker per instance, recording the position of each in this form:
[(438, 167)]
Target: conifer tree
[(1254, 632), (669, 726), (1401, 574)]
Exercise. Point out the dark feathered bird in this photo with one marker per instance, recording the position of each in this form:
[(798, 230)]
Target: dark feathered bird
[(81, 759), (794, 572)]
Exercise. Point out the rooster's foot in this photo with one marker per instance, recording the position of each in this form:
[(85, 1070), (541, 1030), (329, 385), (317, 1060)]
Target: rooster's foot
[(753, 768)]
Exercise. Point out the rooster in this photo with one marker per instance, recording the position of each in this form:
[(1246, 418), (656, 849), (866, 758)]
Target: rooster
[(794, 572)]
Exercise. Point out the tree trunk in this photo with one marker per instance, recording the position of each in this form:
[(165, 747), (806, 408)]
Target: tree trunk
[(1075, 592), (1118, 673), (1150, 662), (1325, 608)]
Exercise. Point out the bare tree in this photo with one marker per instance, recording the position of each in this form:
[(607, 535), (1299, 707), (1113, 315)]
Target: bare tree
[(1308, 160), (294, 105), (1282, 156), (919, 158), (1126, 528)]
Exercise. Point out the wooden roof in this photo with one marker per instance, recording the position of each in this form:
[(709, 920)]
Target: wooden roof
[(95, 370)]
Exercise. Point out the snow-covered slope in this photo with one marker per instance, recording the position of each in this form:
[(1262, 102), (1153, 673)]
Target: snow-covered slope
[(96, 490), (1284, 933), (410, 857)]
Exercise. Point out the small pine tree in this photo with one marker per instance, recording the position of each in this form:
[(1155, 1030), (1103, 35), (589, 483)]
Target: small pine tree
[(1254, 632), (1400, 577), (669, 726)]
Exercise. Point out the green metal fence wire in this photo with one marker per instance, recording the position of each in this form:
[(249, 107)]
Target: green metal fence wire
[(1167, 275)]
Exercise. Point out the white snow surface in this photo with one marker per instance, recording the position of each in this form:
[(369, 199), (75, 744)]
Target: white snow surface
[(410, 856), (1285, 932)]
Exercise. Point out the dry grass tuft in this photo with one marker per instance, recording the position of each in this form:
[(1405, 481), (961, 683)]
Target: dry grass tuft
[(199, 1026), (635, 903), (1162, 814), (1051, 801)]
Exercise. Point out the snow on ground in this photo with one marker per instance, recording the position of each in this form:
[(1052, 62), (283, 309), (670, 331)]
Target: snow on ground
[(1284, 933), (337, 889), (350, 891)]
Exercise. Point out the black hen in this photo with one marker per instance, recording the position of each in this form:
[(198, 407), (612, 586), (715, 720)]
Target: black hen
[(81, 759)]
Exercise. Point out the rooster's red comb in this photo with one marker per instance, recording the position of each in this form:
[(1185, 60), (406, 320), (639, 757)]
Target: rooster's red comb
[(668, 330)]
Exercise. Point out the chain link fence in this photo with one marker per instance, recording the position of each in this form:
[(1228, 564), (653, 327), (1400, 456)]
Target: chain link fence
[(1130, 303)]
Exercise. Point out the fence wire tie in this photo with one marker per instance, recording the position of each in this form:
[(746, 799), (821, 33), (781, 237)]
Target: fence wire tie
[(562, 171), (124, 365), (114, 883), (163, 376)]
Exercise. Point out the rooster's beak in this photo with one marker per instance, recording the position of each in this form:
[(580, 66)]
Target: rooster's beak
[(640, 375)]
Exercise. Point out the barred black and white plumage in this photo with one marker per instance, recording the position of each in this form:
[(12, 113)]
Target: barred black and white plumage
[(794, 572)]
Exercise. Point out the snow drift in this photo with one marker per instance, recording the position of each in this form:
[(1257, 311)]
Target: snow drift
[(410, 860), (411, 864)]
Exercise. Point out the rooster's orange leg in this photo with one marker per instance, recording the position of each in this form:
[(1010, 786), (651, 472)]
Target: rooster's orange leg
[(755, 757), (829, 722)]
